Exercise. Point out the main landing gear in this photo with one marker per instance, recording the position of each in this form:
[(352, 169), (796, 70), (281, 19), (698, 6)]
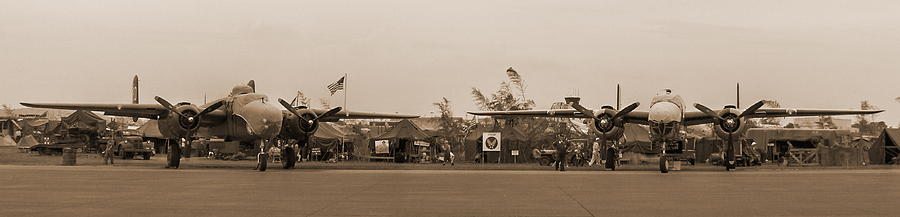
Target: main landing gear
[(288, 157), (663, 164), (262, 159), (173, 159), (612, 157)]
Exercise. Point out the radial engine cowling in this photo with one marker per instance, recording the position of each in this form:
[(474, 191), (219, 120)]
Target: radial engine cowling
[(293, 125), (606, 125), (180, 126), (732, 123)]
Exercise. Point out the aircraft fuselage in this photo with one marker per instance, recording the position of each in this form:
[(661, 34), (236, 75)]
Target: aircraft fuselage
[(247, 117)]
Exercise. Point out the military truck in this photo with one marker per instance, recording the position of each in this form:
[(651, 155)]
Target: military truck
[(129, 143)]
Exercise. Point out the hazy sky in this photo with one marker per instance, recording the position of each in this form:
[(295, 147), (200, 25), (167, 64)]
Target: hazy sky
[(404, 55)]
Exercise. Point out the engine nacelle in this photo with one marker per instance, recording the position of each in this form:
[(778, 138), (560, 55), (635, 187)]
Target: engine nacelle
[(295, 127), (732, 123), (606, 126), (180, 126)]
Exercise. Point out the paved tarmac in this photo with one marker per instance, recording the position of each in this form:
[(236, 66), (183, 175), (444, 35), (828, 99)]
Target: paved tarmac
[(123, 191)]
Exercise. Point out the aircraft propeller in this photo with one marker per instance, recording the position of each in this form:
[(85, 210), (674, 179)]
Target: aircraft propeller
[(192, 118), (308, 121), (730, 123)]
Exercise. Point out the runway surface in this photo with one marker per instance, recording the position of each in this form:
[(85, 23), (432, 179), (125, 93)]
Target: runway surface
[(122, 191)]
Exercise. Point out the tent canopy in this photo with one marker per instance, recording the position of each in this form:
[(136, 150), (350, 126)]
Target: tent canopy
[(636, 133), (151, 129), (7, 141), (886, 147), (84, 119), (27, 142), (329, 131), (405, 129)]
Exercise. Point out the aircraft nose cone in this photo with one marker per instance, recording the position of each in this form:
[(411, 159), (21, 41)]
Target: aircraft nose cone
[(262, 119), (665, 112)]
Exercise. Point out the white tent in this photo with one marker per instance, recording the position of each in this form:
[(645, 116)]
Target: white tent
[(7, 141)]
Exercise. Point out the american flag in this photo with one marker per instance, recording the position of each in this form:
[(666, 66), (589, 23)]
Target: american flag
[(338, 85)]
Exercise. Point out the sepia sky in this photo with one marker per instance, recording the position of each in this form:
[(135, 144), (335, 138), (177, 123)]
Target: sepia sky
[(402, 56)]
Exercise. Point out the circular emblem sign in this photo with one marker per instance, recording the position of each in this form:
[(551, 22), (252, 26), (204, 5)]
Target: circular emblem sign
[(491, 142)]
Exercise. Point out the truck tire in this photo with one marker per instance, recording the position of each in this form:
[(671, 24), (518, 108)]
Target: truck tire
[(146, 155)]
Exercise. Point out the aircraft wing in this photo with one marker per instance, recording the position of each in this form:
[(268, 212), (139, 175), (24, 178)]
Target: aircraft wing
[(697, 117), (151, 111), (551, 113), (638, 117), (360, 115)]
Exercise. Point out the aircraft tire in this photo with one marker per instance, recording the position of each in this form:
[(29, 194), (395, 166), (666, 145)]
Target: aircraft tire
[(263, 162), (289, 158), (611, 159), (174, 157), (663, 165)]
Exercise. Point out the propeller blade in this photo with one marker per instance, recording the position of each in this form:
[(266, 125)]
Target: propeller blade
[(573, 101), (167, 105), (290, 108), (330, 112), (583, 110), (707, 111), (627, 110), (752, 109), (211, 108)]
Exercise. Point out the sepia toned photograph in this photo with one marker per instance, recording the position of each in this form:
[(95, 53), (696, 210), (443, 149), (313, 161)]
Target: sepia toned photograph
[(449, 108)]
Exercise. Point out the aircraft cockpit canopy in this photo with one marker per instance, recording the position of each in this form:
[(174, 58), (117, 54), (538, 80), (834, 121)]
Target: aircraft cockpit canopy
[(240, 90), (672, 98)]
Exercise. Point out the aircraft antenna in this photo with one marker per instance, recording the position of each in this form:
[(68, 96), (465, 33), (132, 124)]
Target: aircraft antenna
[(618, 96)]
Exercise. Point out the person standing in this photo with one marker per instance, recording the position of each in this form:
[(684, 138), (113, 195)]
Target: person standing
[(595, 154), (448, 154), (108, 151), (561, 146)]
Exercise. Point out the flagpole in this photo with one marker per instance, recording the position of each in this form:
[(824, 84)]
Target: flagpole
[(346, 86)]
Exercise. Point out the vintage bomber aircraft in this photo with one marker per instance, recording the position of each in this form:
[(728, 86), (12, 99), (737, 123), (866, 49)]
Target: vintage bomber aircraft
[(242, 116), (667, 119)]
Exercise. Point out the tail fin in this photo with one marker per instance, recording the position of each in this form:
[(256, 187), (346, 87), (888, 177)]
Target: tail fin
[(738, 100), (252, 85), (618, 97), (135, 99)]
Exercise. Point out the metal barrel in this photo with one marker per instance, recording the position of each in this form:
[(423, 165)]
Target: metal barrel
[(68, 157)]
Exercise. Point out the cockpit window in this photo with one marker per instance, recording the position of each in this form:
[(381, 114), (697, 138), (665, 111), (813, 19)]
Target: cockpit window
[(675, 99), (245, 99)]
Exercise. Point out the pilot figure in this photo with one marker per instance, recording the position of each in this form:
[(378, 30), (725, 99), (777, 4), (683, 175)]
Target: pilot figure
[(561, 145)]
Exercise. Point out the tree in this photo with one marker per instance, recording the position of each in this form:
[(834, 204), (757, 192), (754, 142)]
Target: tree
[(301, 100), (510, 96), (504, 99), (826, 122), (865, 126), (451, 128)]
